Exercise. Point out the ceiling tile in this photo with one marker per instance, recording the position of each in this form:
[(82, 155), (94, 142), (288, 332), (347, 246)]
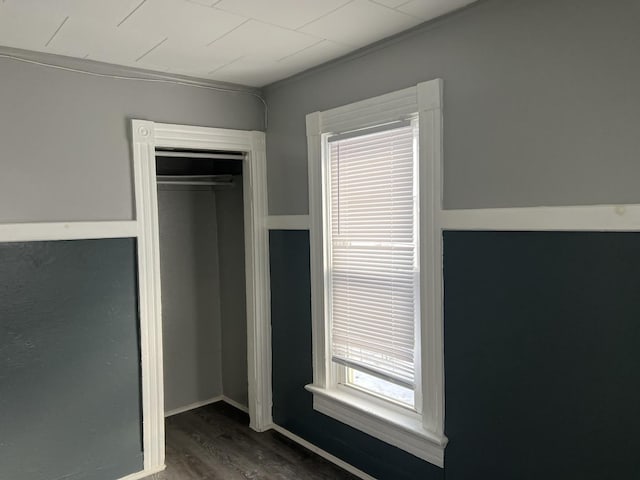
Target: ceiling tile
[(317, 54), (199, 61), (103, 42), (185, 22), (206, 3), (391, 3), (359, 23), (23, 26), (106, 12), (291, 14), (253, 71), (260, 71), (259, 39), (429, 9)]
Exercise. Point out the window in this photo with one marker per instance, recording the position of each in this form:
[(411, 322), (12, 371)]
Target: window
[(374, 183), (372, 259)]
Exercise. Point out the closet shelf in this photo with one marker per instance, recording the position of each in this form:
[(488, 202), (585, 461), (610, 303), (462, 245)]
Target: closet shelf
[(201, 155), (204, 180)]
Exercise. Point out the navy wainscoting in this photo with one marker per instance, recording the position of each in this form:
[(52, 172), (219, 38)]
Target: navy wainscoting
[(542, 342), (542, 358), (69, 360)]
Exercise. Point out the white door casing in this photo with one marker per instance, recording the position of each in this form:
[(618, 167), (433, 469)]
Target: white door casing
[(146, 137)]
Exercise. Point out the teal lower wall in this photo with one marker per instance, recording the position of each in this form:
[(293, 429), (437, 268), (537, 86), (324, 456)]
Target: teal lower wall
[(542, 358), (69, 361)]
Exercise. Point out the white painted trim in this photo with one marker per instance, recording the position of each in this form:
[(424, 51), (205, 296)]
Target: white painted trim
[(150, 305), (426, 441), (322, 453), (186, 136), (316, 225), (146, 137), (429, 99), (193, 406), (403, 430), (239, 406), (33, 232), (288, 222), (257, 278), (573, 218), (374, 111), (142, 474)]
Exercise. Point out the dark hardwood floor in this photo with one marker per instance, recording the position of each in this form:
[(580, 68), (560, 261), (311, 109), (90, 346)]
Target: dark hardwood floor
[(216, 443)]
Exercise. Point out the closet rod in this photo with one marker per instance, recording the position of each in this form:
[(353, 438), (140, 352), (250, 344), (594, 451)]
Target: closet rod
[(185, 182), (215, 156), (213, 176)]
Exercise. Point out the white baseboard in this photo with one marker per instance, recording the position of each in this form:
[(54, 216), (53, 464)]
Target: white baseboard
[(142, 474), (326, 455), (235, 404), (191, 406)]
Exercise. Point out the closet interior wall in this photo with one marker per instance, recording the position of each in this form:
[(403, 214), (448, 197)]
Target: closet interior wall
[(233, 306), (203, 294)]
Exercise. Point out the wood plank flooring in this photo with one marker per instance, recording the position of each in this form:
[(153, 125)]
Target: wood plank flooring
[(215, 443)]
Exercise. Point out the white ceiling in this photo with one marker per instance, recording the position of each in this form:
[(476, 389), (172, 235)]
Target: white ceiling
[(250, 42)]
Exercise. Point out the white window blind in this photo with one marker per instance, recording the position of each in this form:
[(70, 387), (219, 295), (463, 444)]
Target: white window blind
[(373, 274)]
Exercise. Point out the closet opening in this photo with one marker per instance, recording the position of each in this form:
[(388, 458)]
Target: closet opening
[(212, 187), (202, 268)]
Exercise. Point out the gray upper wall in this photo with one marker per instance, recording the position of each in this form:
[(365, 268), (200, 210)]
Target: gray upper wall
[(540, 103), (65, 153)]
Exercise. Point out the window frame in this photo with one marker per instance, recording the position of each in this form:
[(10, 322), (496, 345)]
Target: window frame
[(421, 434)]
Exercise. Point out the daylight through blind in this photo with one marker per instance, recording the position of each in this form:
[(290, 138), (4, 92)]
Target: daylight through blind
[(374, 273)]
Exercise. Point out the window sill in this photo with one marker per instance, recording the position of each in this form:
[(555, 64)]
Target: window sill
[(400, 429)]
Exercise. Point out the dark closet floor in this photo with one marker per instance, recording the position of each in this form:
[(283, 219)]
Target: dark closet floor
[(215, 443)]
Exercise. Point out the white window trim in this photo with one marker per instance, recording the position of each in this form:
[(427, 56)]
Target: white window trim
[(421, 435)]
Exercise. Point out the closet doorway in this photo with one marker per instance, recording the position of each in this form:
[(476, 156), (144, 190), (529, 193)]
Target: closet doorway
[(204, 315), (200, 192)]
